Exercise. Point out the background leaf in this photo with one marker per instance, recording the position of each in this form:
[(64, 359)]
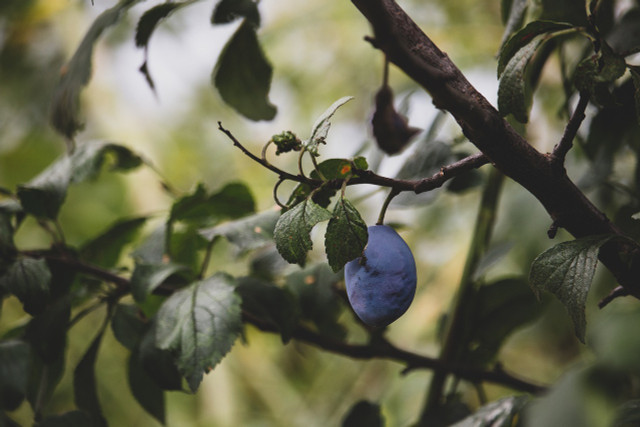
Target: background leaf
[(200, 324), (229, 10), (246, 233), (364, 413), (29, 280), (77, 73), (105, 249), (346, 235), (14, 366), (292, 232), (144, 389), (566, 270), (243, 75), (147, 277), (502, 413)]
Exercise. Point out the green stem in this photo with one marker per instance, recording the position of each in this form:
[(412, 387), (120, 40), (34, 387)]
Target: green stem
[(393, 193), (455, 339)]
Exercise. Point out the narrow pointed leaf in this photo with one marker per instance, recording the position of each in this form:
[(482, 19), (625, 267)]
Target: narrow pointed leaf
[(77, 73), (292, 232), (321, 127), (346, 235), (229, 10), (243, 75), (85, 388), (199, 325), (512, 98), (144, 389), (566, 270), (364, 413)]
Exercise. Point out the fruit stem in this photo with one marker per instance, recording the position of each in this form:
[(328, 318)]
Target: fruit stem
[(455, 340), (393, 193)]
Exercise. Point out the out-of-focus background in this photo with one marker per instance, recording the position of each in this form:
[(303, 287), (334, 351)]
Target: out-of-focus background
[(319, 55)]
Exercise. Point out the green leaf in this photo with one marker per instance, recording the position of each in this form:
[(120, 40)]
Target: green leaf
[(234, 200), (595, 73), (229, 10), (150, 20), (144, 389), (243, 75), (246, 233), (44, 195), (314, 288), (624, 37), (270, 303), (68, 419), (128, 326), (628, 414), (334, 169), (158, 364), (28, 279), (512, 98), (85, 391), (105, 249), (77, 73), (426, 160), (522, 38), (320, 129), (7, 246), (566, 270), (503, 307), (199, 324), (14, 368), (47, 332), (147, 277), (364, 413), (502, 413), (346, 235), (614, 340), (292, 232)]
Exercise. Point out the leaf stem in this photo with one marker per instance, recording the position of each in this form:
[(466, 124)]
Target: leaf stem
[(393, 193)]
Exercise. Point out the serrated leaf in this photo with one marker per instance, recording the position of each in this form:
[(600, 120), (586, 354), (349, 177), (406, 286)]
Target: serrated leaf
[(199, 324), (566, 270), (271, 303), (522, 37), (144, 389), (28, 279), (502, 413), (229, 10), (511, 91), (364, 413), (243, 75), (147, 277), (292, 232), (346, 235), (320, 128), (105, 249), (14, 367), (246, 233), (85, 392), (77, 72), (44, 195)]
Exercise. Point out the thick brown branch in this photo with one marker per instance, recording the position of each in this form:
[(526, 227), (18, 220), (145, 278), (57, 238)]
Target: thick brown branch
[(406, 46)]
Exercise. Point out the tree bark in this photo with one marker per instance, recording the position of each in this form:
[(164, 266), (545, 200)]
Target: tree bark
[(410, 49)]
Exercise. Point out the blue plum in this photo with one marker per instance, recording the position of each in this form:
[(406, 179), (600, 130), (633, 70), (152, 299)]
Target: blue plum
[(381, 284)]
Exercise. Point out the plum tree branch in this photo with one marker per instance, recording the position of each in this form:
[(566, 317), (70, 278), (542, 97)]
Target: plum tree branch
[(566, 142), (383, 349), (410, 49)]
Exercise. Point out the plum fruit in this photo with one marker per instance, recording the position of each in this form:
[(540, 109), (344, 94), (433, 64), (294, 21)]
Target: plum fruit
[(381, 284)]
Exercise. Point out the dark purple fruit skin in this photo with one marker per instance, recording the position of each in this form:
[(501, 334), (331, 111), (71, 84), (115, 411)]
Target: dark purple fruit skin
[(381, 285)]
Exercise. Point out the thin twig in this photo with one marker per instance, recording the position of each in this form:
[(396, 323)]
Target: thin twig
[(562, 148), (615, 293), (383, 349)]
